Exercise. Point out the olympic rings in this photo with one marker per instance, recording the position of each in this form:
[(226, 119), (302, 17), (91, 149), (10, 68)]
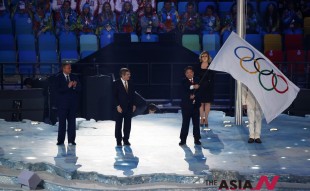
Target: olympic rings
[(243, 59), (265, 72), (251, 58)]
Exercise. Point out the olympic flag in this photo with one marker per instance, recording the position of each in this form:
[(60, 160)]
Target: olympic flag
[(273, 91)]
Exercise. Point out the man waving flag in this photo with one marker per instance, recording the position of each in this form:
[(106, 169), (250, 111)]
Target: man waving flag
[(273, 91)]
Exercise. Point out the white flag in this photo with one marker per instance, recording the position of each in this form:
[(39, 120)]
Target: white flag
[(273, 91)]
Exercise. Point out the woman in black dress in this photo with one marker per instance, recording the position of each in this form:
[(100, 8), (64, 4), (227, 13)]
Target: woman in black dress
[(206, 87)]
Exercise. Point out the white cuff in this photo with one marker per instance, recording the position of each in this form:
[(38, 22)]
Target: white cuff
[(191, 87)]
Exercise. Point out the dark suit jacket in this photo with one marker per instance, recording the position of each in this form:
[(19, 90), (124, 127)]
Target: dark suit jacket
[(186, 102), (121, 97), (66, 97)]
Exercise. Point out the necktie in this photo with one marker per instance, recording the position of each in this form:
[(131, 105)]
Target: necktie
[(192, 81), (126, 86), (67, 78)]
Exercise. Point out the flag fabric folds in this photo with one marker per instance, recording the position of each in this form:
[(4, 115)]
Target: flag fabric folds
[(273, 90)]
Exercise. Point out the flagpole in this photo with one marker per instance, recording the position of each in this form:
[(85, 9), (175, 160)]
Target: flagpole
[(240, 31)]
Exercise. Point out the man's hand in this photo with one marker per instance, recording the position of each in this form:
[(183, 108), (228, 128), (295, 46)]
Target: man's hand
[(74, 84), (196, 86), (119, 109), (134, 108), (70, 84), (192, 96)]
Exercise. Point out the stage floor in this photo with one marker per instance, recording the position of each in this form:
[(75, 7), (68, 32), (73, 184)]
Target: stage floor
[(155, 149)]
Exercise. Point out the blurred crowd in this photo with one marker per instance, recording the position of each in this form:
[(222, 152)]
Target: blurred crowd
[(147, 17)]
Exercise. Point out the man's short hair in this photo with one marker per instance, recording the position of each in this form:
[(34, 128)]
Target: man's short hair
[(65, 64), (123, 71), (188, 68)]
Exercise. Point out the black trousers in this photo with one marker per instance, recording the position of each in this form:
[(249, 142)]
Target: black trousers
[(187, 115), (126, 116), (66, 115)]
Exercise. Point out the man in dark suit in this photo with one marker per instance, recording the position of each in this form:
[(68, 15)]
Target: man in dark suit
[(124, 95), (190, 104), (67, 88)]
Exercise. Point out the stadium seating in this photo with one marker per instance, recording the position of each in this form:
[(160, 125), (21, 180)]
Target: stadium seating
[(23, 26), (8, 59), (272, 42), (47, 41), (106, 39), (149, 38), (7, 42), (69, 55), (211, 42), (276, 57), (182, 7), (88, 43), (134, 37), (204, 4), (293, 42), (68, 41), (6, 26), (255, 40), (297, 60), (191, 42), (307, 26), (26, 42)]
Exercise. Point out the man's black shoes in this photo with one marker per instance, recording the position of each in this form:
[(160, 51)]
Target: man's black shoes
[(181, 143), (258, 140), (251, 140), (126, 143), (197, 142)]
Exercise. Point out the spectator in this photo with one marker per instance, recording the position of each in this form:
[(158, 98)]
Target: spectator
[(106, 22), (149, 21), (210, 21), (4, 12), (230, 21), (119, 5), (42, 21), (142, 4), (168, 18), (66, 19), (92, 5), (252, 24), (102, 2), (190, 21), (22, 10), (271, 20), (86, 22), (127, 21), (58, 4), (292, 19), (304, 6), (46, 5)]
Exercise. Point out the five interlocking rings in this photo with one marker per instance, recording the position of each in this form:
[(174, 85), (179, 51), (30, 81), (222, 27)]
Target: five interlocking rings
[(260, 72)]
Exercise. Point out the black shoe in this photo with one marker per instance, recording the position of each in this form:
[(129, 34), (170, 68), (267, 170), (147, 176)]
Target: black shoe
[(182, 143), (258, 140), (126, 143), (73, 143), (197, 142), (60, 143), (251, 140)]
